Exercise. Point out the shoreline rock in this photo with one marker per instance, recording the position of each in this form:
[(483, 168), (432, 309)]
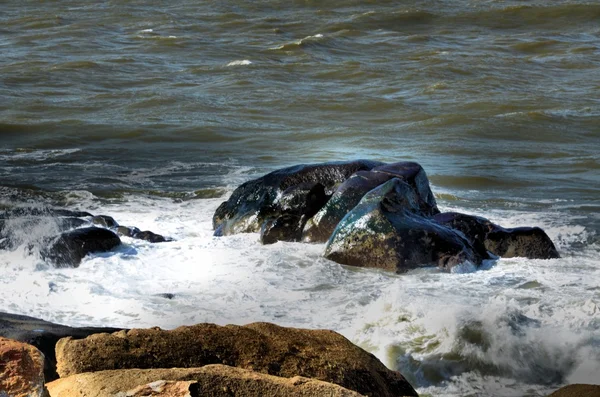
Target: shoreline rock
[(215, 380), (261, 347), (43, 335)]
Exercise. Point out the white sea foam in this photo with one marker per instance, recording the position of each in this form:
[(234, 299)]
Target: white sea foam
[(512, 326), (242, 62), (34, 154)]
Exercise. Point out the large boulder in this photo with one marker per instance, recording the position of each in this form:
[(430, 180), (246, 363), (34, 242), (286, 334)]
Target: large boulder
[(577, 390), (387, 230), (258, 200), (261, 347), (529, 242), (211, 380), (71, 247), (320, 227), (43, 335), (21, 370)]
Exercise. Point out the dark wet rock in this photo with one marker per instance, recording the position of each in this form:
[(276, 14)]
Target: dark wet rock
[(287, 227), (136, 233), (43, 335), (388, 230), (262, 347), (285, 191), (318, 229), (297, 204), (529, 242), (71, 247), (474, 228), (105, 221), (125, 231), (414, 175), (150, 237)]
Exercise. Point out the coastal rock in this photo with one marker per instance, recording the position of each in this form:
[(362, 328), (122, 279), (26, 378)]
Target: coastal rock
[(386, 230), (318, 229), (348, 195), (529, 242), (71, 247), (105, 221), (254, 202), (43, 335), (287, 227), (261, 347), (211, 380), (21, 370), (150, 237), (577, 390), (125, 231), (474, 228), (136, 233)]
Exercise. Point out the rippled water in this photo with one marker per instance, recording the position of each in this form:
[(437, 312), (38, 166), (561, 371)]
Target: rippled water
[(153, 112)]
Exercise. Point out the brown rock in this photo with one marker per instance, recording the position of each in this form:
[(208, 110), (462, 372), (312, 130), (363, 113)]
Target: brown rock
[(577, 390), (261, 347), (21, 369), (212, 380)]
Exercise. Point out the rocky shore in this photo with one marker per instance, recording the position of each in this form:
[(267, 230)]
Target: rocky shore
[(369, 214), (258, 359)]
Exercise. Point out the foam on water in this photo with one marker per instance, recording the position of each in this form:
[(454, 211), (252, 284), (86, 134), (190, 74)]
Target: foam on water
[(515, 326)]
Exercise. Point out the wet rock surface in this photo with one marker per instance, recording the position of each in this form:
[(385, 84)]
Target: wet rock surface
[(399, 229), (251, 204), (64, 237), (388, 230), (71, 247)]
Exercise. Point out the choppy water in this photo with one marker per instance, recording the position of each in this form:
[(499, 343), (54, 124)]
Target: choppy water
[(153, 113)]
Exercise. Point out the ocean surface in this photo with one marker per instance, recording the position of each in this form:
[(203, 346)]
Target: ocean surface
[(153, 112)]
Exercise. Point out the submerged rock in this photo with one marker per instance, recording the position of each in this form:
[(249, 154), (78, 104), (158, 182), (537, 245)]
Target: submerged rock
[(21, 370), (214, 380), (388, 230), (399, 230), (529, 242), (105, 221), (261, 347), (274, 194), (71, 247)]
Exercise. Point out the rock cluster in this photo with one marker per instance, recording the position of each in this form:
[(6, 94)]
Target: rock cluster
[(66, 236), (370, 214)]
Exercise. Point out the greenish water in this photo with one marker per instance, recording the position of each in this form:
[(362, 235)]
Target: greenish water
[(147, 109)]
